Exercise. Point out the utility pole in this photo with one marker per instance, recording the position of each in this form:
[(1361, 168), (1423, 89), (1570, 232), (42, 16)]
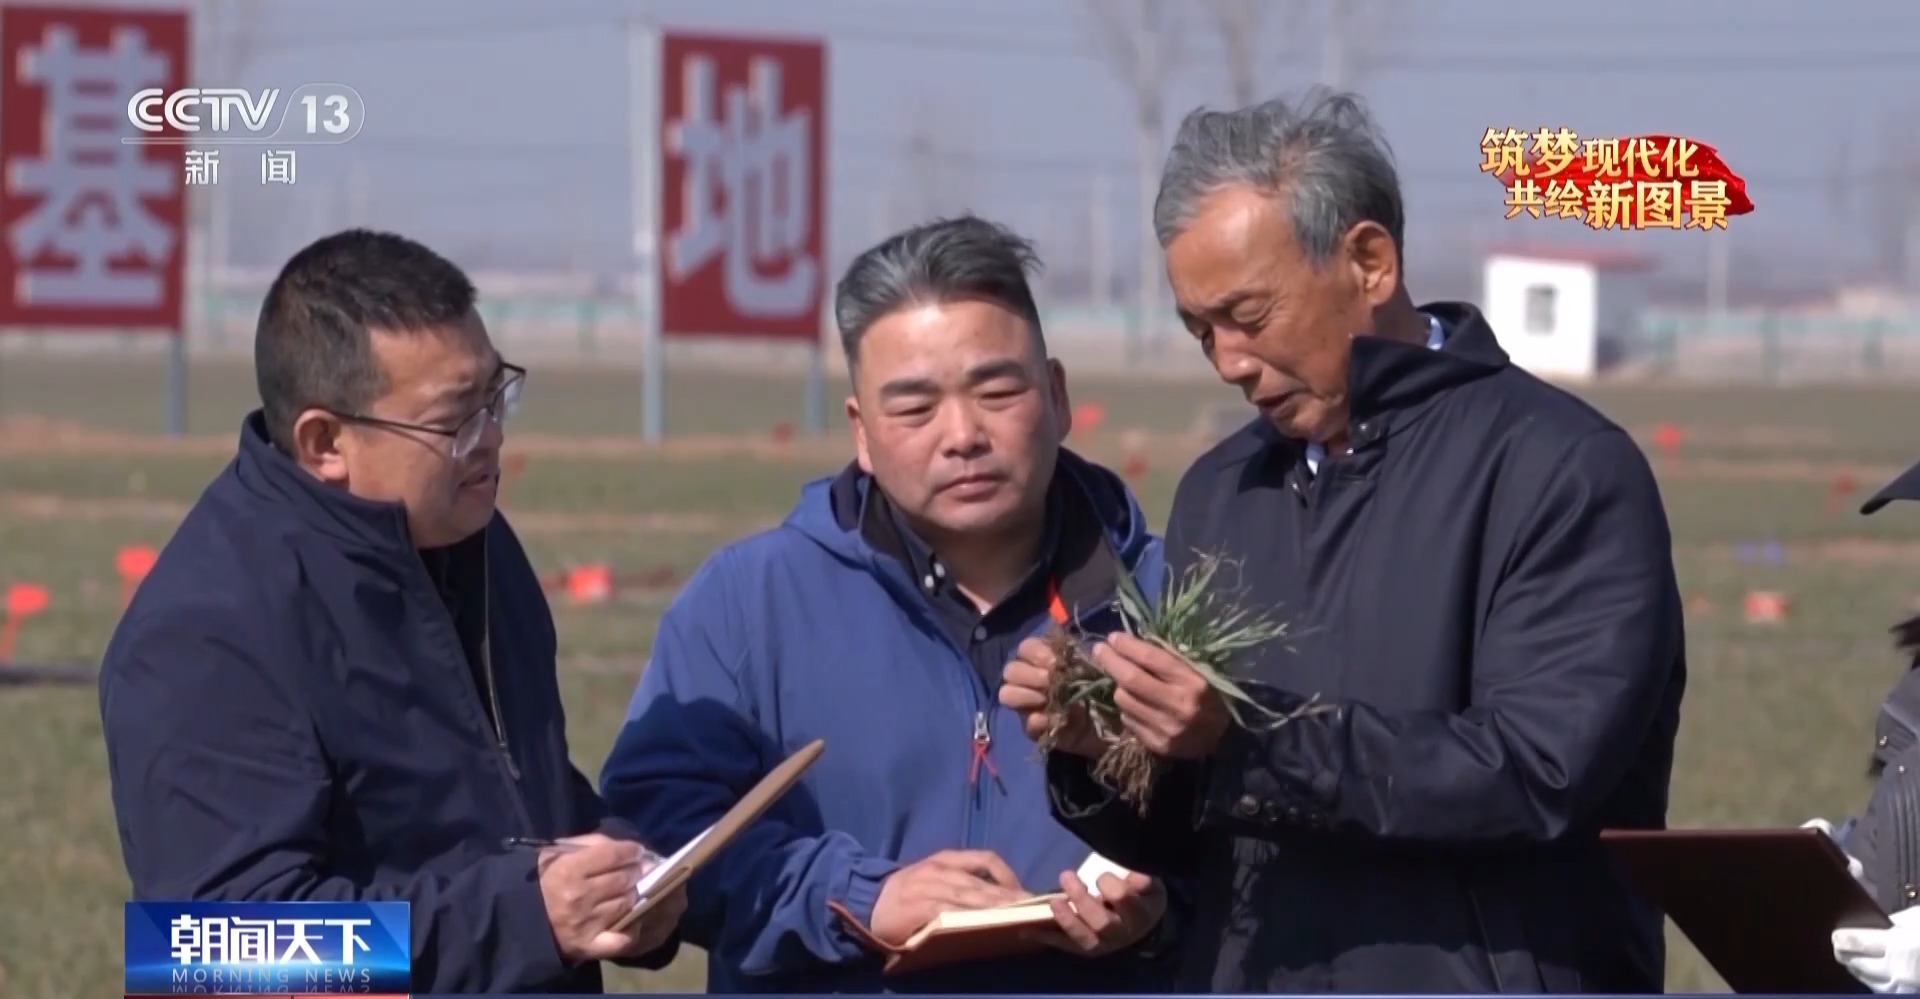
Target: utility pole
[(643, 125), (1719, 271)]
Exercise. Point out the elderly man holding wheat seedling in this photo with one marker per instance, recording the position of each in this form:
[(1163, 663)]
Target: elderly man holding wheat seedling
[(1421, 641)]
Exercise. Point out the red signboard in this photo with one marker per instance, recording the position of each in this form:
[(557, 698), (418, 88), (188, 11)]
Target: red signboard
[(743, 186), (94, 230)]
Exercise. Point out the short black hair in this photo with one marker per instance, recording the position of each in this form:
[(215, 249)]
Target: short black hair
[(938, 261), (313, 345)]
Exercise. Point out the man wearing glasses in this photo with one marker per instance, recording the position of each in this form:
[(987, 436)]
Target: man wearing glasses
[(337, 683)]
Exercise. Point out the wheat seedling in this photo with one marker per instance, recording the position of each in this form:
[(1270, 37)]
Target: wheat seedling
[(1192, 621)]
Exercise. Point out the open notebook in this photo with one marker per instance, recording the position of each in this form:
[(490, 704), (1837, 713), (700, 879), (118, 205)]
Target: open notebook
[(1026, 912), (984, 934), (673, 872)]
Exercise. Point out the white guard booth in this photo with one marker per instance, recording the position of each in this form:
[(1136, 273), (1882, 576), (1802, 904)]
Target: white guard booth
[(1560, 312)]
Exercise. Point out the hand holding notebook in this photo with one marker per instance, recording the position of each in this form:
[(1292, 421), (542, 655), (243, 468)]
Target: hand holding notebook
[(967, 880), (1105, 908), (1077, 919)]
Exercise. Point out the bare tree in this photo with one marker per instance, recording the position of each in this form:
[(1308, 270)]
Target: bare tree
[(1141, 41), (1840, 186), (940, 161), (1238, 24), (223, 49), (1892, 225), (1351, 43)]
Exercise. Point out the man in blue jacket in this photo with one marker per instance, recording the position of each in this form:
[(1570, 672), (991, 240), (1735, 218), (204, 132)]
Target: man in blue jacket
[(878, 617), (337, 683)]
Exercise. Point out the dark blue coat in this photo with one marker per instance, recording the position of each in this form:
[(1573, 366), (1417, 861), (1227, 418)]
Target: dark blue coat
[(291, 714), (809, 631), (1483, 590)]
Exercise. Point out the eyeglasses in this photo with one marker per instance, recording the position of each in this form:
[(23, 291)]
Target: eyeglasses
[(466, 435)]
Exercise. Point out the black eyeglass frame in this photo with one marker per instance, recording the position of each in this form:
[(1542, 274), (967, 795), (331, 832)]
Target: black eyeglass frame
[(499, 408)]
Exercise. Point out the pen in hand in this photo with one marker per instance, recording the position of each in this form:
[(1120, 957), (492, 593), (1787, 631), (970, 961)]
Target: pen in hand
[(648, 858), (536, 843)]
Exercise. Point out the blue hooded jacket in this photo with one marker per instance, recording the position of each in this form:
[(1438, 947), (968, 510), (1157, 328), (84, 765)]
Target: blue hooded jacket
[(807, 631)]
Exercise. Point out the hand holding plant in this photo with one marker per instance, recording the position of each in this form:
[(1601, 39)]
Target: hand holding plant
[(1165, 689)]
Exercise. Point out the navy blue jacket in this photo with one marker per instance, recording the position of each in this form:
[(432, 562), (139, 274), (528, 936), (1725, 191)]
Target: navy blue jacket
[(1483, 590), (291, 714), (808, 631)]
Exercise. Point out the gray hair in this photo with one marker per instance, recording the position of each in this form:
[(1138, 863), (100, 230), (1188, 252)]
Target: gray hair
[(1324, 153), (938, 261)]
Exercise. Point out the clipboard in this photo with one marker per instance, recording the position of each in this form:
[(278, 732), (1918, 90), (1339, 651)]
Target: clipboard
[(673, 872), (1761, 905)]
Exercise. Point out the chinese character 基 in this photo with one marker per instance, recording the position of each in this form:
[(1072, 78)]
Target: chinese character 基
[(276, 166), (755, 162), (89, 183)]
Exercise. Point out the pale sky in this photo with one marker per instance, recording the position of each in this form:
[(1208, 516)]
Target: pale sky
[(497, 129)]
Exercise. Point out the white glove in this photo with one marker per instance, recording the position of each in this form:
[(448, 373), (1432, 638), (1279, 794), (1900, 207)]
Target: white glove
[(1886, 961), (1854, 867)]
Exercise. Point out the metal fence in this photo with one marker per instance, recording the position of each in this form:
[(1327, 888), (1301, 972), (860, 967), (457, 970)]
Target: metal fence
[(1761, 347)]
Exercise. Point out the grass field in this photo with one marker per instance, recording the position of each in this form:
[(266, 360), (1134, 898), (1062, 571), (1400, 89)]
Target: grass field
[(1777, 722)]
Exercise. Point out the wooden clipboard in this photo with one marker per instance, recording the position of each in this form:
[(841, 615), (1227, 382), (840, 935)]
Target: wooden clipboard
[(1761, 905), (673, 872)]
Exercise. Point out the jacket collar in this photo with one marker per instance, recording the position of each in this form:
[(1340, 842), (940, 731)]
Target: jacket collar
[(1093, 526), (1387, 376), (887, 530), (272, 475)]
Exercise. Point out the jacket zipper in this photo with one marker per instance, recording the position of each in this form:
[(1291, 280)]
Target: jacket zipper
[(981, 738), (493, 698), (495, 717), (486, 663), (982, 763)]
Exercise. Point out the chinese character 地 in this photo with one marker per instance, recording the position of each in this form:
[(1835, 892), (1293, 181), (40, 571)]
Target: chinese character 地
[(90, 184), (203, 166), (756, 159), (238, 940), (276, 166)]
